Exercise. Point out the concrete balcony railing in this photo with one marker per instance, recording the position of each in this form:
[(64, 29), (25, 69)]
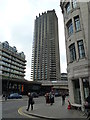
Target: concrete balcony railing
[(6, 60), (5, 69), (17, 68), (18, 61), (19, 65), (4, 64), (4, 54), (16, 72)]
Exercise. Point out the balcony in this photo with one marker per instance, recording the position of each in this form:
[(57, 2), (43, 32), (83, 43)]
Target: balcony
[(17, 60), (5, 64), (5, 69), (6, 55), (6, 60)]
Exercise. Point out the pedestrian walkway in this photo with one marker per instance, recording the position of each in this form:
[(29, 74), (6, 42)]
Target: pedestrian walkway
[(55, 111)]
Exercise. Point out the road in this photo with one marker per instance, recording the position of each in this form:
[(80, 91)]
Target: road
[(12, 108)]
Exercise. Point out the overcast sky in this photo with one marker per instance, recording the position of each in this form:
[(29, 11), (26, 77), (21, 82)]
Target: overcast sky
[(17, 26)]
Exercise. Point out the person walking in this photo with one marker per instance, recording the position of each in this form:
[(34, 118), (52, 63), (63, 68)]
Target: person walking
[(6, 96), (51, 97), (30, 101), (87, 106), (47, 98), (63, 98)]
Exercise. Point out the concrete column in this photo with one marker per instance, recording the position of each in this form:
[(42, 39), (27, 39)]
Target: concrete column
[(71, 91), (82, 93), (89, 83)]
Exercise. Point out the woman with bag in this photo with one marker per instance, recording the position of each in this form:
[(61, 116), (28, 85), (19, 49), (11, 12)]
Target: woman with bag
[(30, 101), (87, 102), (87, 105)]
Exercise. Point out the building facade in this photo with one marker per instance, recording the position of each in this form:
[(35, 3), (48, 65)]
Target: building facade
[(12, 65), (45, 53), (64, 77), (76, 24)]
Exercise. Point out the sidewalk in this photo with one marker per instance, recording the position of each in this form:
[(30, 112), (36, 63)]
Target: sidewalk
[(56, 111)]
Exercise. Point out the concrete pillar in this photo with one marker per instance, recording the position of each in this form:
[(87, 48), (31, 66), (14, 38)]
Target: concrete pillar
[(71, 91), (82, 93), (89, 83)]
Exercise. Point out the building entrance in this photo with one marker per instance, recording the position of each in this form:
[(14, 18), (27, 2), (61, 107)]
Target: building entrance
[(76, 87)]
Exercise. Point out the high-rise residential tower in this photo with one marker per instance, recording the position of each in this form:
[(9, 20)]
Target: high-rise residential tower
[(12, 63), (76, 23), (45, 53)]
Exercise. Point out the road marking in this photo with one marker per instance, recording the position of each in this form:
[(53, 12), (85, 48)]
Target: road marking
[(23, 114)]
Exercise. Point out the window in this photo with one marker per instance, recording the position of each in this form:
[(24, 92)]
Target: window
[(68, 8), (74, 3), (72, 52), (81, 49), (70, 27), (77, 23)]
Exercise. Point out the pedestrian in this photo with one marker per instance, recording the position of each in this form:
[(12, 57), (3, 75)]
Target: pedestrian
[(63, 98), (87, 105), (88, 100), (47, 98), (30, 101), (6, 96), (51, 98)]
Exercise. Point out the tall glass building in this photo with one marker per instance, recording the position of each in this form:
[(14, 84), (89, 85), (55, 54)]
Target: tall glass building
[(45, 52)]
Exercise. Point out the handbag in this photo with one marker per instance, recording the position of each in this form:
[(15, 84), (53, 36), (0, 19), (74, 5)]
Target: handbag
[(33, 102)]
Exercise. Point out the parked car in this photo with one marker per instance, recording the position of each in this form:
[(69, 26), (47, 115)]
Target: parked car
[(41, 93), (57, 94), (34, 94), (14, 96)]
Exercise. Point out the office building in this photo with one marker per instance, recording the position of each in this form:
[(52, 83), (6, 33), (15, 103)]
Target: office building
[(76, 23), (45, 53)]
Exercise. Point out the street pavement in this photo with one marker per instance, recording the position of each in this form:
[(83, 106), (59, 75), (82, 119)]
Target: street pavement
[(55, 111)]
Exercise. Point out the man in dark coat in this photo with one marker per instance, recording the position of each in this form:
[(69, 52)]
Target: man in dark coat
[(51, 97), (87, 105), (30, 101), (63, 98)]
